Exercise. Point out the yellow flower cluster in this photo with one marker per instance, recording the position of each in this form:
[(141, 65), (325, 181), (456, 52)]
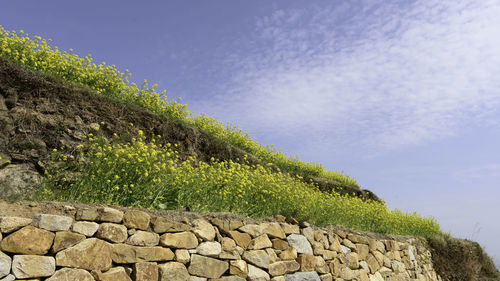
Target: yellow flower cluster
[(35, 53), (146, 174)]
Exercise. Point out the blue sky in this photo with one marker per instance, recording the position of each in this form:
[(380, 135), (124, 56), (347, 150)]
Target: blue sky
[(402, 95)]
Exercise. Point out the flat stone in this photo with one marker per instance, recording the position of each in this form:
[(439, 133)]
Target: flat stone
[(136, 219), (257, 274), (66, 239), (334, 243), (290, 228), (398, 267), (239, 268), (145, 271), (280, 244), (353, 261), (329, 255), (289, 254), (378, 277), (228, 244), (123, 253), (90, 254), (211, 249), (225, 226), (257, 257), (300, 243), (162, 225), (241, 239), (348, 274), (9, 224), (283, 267), (32, 266), (358, 239), (273, 230), (52, 222), (362, 250), (207, 267), (260, 242), (308, 232), (112, 232), (307, 262), (28, 240), (67, 274), (173, 271), (87, 214), (203, 229), (107, 214), (321, 267), (372, 262), (144, 238), (5, 265), (114, 274), (86, 228), (181, 240), (346, 242), (253, 229), (182, 256), (303, 276)]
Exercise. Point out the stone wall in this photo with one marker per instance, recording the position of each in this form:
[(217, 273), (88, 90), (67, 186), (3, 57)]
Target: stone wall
[(104, 243)]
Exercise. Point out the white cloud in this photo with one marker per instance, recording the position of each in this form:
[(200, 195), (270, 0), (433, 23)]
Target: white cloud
[(387, 74)]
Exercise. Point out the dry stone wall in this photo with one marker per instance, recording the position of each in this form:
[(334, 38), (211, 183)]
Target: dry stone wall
[(104, 243)]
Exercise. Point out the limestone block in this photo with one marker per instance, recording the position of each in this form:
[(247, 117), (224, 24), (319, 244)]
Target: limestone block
[(348, 274), (289, 254), (326, 277), (209, 248), (5, 265), (300, 243), (86, 228), (253, 229), (66, 274), (207, 267), (87, 214), (373, 264), (353, 261), (257, 257), (107, 214), (290, 228), (32, 266), (321, 266), (203, 229), (90, 254), (123, 253), (303, 276), (329, 255), (225, 226), (239, 268), (308, 232), (28, 240), (362, 250), (52, 222), (260, 242), (280, 244), (145, 271), (283, 267), (112, 232), (228, 244), (144, 238), (162, 225), (307, 262), (66, 239), (182, 256), (346, 242), (273, 230), (241, 239), (358, 239), (180, 240), (114, 274), (136, 219), (257, 274), (9, 224), (11, 277)]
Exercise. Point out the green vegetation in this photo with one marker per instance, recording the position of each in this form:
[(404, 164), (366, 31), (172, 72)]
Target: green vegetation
[(144, 173), (147, 174), (36, 54)]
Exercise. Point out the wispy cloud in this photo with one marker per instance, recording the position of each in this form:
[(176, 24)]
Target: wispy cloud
[(377, 72)]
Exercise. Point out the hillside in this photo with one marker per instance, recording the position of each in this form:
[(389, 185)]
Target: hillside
[(53, 128)]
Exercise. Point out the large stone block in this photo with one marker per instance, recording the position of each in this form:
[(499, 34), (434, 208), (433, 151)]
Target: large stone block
[(283, 267), (273, 230), (207, 267), (136, 219), (52, 222), (173, 271), (181, 240), (203, 229), (32, 266), (123, 253), (162, 225), (257, 257), (66, 239), (28, 240), (5, 265), (67, 274), (241, 239), (144, 238), (300, 243), (260, 242), (9, 224), (86, 228), (145, 271), (209, 248), (257, 274), (90, 254), (112, 232)]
